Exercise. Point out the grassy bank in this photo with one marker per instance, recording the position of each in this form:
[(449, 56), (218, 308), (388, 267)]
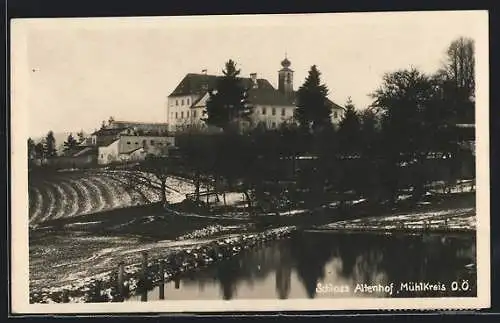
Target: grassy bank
[(139, 277)]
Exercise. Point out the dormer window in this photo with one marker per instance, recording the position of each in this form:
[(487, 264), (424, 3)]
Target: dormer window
[(264, 111)]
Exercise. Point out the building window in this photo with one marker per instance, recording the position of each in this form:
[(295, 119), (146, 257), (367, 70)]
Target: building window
[(273, 111), (194, 113), (176, 115), (335, 115), (187, 114), (182, 102), (273, 125), (136, 143), (102, 156), (187, 101), (144, 142), (152, 142), (176, 102), (264, 111), (283, 112), (182, 114), (128, 142)]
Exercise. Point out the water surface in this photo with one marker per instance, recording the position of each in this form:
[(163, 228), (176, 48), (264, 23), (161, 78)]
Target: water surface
[(330, 265)]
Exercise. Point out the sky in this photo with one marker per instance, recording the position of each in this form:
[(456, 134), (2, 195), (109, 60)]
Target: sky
[(82, 71)]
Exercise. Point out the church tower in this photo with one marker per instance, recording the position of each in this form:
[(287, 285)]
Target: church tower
[(285, 77)]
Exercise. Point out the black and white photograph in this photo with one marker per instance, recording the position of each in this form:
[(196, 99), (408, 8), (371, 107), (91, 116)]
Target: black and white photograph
[(330, 161)]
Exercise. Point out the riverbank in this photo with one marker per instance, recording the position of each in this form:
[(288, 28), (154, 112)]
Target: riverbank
[(104, 287), (442, 221)]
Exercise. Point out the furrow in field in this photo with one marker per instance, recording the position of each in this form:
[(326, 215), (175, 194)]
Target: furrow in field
[(37, 206), (105, 192), (72, 201), (120, 198), (50, 202), (61, 201), (84, 197), (95, 196)]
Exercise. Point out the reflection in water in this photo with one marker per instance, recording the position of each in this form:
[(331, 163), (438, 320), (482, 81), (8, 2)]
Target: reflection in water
[(294, 268)]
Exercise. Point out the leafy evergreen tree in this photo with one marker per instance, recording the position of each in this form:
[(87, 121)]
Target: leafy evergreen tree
[(81, 136), (369, 133), (31, 149), (350, 130), (50, 149), (70, 143), (313, 110), (228, 104), (40, 151)]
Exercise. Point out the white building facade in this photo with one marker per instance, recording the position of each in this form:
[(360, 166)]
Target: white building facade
[(127, 148), (272, 107)]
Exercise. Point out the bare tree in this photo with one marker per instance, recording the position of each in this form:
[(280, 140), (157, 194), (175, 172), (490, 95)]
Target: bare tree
[(157, 166), (459, 65)]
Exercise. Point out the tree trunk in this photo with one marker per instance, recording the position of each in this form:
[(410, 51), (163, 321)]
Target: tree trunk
[(249, 201), (163, 192), (419, 180), (197, 183), (216, 189)]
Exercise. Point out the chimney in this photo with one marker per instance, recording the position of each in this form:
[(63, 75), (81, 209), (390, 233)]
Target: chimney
[(253, 76)]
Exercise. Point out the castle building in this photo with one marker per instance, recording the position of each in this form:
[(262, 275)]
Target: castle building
[(272, 107), (117, 143)]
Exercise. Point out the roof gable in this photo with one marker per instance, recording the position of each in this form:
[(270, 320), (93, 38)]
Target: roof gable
[(200, 83)]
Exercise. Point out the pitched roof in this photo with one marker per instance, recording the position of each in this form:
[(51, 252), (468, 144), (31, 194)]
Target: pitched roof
[(263, 94), (275, 97), (78, 151), (335, 105), (108, 131), (85, 152), (128, 123), (270, 97), (131, 151), (199, 83)]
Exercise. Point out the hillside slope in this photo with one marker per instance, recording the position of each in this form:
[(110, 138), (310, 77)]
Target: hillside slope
[(70, 194)]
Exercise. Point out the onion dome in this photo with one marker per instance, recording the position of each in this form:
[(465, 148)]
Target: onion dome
[(285, 63)]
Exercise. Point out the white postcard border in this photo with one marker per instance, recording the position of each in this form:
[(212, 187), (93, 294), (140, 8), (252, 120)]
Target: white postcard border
[(19, 268)]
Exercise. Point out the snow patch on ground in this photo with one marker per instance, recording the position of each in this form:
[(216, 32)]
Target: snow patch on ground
[(451, 219)]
